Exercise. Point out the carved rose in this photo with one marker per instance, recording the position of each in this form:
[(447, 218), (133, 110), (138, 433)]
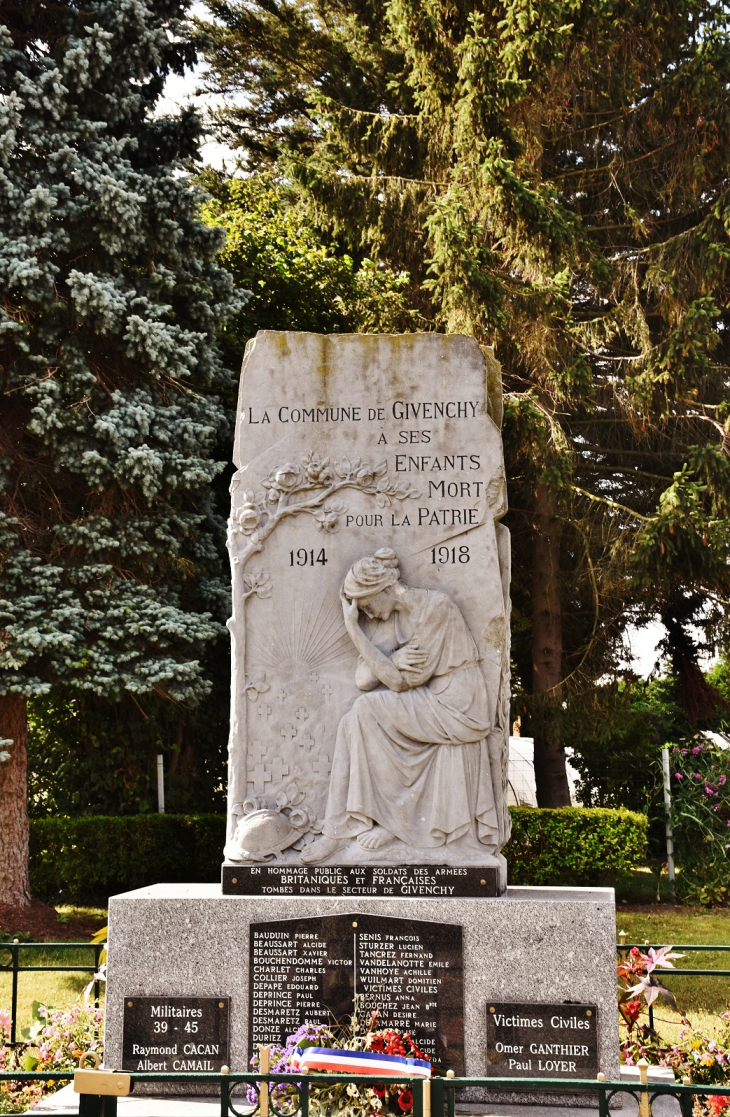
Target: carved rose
[(366, 475), (248, 518), (287, 477), (272, 496)]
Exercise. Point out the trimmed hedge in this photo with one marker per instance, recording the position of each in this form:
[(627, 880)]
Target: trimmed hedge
[(90, 858), (574, 845), (95, 856)]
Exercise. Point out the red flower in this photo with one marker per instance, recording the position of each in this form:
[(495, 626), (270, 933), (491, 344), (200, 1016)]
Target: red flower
[(634, 953), (379, 1089), (376, 1043), (405, 1100), (717, 1103), (632, 1010)]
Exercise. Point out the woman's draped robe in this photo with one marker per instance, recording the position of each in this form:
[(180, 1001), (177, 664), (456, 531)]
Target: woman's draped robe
[(416, 761)]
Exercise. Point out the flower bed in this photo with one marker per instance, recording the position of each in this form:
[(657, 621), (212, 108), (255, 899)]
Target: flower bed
[(55, 1041)]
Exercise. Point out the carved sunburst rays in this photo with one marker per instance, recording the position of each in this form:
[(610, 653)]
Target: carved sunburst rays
[(308, 636)]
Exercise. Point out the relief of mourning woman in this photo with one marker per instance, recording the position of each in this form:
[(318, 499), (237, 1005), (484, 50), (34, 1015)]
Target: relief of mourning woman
[(411, 760)]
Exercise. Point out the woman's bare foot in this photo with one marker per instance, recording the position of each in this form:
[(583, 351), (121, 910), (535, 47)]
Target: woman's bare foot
[(320, 850), (377, 838)]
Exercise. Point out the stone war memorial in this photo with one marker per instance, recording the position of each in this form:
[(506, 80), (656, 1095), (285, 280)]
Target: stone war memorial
[(370, 699)]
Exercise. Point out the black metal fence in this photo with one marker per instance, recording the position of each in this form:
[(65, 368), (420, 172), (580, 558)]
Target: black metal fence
[(13, 967), (434, 1098), (676, 971)]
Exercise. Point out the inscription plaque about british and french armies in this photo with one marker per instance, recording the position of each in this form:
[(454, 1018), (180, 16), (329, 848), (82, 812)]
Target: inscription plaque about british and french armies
[(176, 1033), (309, 970), (370, 625), (547, 1041), (416, 881)]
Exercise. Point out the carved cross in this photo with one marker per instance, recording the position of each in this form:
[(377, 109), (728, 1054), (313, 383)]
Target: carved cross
[(307, 743), (281, 695), (326, 690), (259, 777), (289, 732), (302, 713), (257, 752), (263, 710), (320, 765), (279, 769)]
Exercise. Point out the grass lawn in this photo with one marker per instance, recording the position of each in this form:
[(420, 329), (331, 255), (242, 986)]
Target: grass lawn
[(54, 989), (701, 999)]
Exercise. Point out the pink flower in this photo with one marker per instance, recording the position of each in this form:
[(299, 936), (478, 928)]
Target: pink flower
[(659, 958), (678, 776), (695, 750)]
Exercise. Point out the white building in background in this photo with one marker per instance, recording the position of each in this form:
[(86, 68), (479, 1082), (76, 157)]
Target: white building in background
[(521, 774)]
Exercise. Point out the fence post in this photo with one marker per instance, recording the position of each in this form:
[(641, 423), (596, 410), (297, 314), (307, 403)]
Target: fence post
[(450, 1095), (686, 1101), (418, 1091), (644, 1104), (14, 947), (160, 784), (668, 819), (437, 1097), (264, 1064)]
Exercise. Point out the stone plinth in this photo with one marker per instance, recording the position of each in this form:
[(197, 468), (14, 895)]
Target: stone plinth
[(545, 945)]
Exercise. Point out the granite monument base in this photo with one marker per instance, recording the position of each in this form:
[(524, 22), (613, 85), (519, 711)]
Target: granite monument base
[(531, 945)]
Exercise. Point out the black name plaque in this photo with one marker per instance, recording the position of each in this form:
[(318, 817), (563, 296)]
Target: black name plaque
[(444, 881), (535, 1040), (308, 970), (175, 1033)]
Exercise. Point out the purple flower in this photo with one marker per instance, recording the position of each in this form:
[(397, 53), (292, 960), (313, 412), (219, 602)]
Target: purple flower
[(709, 791), (678, 776), (723, 779), (697, 775), (695, 750)]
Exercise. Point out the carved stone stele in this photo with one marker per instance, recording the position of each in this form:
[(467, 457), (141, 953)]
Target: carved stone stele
[(370, 626)]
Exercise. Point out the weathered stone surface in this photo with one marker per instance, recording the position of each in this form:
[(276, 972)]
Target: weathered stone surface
[(369, 726), (546, 945)]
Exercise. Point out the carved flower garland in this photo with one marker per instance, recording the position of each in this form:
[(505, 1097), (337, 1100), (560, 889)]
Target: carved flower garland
[(308, 486)]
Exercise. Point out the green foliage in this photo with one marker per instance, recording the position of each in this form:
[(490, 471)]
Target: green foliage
[(96, 856), (617, 738), (298, 282), (700, 789), (93, 857), (111, 569), (95, 756), (574, 215), (573, 845)]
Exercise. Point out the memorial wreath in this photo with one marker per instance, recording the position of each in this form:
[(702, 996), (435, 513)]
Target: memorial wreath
[(347, 1098)]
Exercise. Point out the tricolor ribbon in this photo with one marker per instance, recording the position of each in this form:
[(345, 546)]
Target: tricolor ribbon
[(358, 1062)]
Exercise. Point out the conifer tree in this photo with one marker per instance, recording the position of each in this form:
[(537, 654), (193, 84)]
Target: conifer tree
[(111, 574), (555, 177)]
